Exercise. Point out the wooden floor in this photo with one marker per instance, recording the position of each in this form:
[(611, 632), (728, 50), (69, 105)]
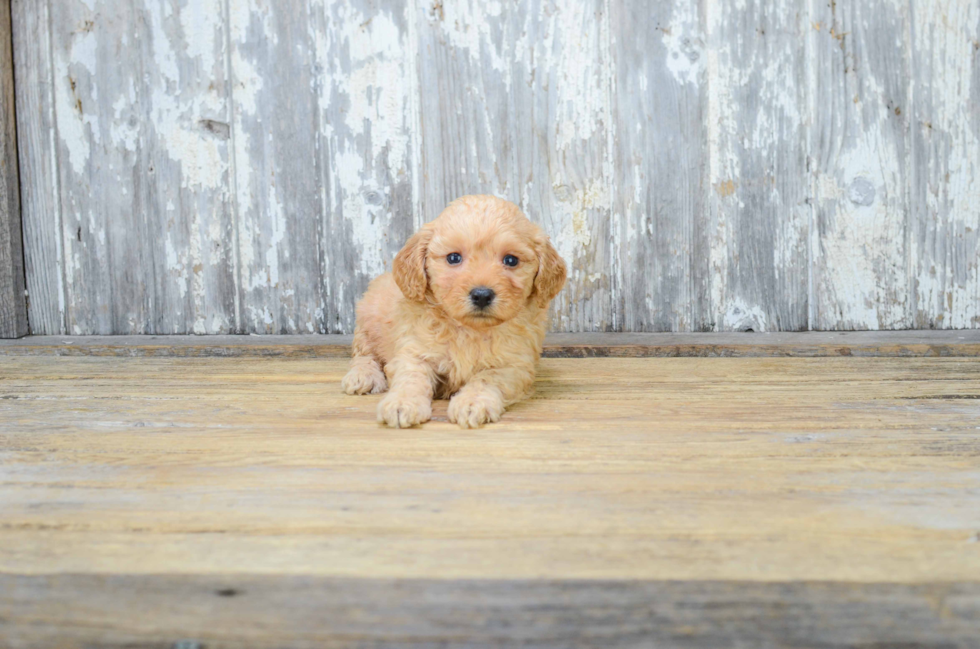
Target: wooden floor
[(647, 502)]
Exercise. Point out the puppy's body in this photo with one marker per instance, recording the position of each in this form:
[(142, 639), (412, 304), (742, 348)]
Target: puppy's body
[(421, 331), (389, 324)]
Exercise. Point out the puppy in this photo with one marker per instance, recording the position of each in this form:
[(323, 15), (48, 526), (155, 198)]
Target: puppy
[(461, 315)]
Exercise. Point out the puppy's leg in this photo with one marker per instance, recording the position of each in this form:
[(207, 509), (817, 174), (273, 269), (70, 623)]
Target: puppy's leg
[(488, 393), (365, 375), (409, 402)]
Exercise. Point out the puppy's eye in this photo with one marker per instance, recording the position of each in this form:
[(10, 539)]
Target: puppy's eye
[(454, 258), (511, 260)]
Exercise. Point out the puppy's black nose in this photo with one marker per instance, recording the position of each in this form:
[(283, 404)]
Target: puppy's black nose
[(482, 297)]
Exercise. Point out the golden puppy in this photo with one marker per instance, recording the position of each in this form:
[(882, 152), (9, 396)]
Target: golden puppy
[(462, 314)]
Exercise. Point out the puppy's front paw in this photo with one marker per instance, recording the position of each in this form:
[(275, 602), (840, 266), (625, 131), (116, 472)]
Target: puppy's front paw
[(399, 411), (472, 409), (365, 378)]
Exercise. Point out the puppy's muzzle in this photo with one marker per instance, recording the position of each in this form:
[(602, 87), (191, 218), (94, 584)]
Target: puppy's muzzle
[(482, 297)]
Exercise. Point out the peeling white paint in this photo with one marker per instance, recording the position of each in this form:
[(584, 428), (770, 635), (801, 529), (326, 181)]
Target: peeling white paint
[(684, 47), (252, 14), (755, 128), (375, 84), (78, 126), (862, 252), (124, 129), (723, 165), (859, 154), (465, 26), (582, 101), (536, 123), (195, 263), (278, 233), (946, 272), (248, 83), (576, 235), (176, 122), (369, 85), (363, 221), (177, 266), (202, 22), (740, 316)]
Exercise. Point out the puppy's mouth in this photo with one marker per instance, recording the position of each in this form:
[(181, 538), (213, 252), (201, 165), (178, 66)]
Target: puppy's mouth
[(484, 317)]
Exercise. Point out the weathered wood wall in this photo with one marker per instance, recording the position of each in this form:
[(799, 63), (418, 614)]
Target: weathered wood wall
[(213, 166), (13, 306)]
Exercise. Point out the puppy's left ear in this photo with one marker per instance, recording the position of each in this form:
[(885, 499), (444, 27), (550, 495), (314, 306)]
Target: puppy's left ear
[(551, 272), (409, 266)]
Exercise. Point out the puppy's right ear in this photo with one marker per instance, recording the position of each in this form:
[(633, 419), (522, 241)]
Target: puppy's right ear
[(551, 272), (409, 266)]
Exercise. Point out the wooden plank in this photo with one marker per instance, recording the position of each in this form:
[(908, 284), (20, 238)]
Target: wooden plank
[(659, 62), (516, 101), (304, 612), (678, 502), (758, 216), (803, 345), (665, 150), (946, 139), (365, 62), (13, 307), (795, 345), (860, 146), (187, 255), (98, 88), (279, 198), (144, 178), (39, 168), (771, 470)]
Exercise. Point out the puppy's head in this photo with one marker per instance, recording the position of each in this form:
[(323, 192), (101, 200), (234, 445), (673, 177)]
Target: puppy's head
[(482, 261)]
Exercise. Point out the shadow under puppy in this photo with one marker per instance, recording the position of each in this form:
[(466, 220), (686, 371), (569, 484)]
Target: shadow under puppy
[(462, 315)]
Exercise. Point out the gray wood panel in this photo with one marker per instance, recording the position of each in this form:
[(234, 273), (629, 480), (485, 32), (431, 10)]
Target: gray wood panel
[(97, 89), (13, 308), (183, 175), (796, 344), (757, 213), (248, 166), (946, 164), (660, 102), (278, 197), (860, 154), (303, 611), (37, 141), (367, 136)]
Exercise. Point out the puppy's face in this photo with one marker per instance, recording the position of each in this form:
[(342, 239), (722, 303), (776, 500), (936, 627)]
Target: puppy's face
[(482, 261)]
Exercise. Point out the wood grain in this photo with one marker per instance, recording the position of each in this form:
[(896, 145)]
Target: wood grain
[(279, 199), (860, 144), (233, 166), (698, 502), (964, 344), (44, 256), (660, 102), (187, 272), (945, 139), (757, 211), (367, 138), (97, 89), (256, 611), (13, 307)]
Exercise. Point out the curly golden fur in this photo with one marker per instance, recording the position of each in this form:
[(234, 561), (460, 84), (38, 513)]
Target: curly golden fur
[(426, 330)]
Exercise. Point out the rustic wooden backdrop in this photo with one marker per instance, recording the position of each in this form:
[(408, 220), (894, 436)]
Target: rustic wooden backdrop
[(13, 311), (214, 166)]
